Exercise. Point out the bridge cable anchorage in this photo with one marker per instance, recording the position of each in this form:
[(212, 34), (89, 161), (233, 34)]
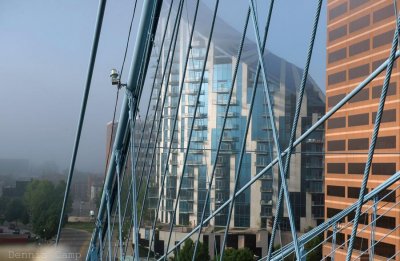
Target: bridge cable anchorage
[(295, 122), (373, 139), (92, 59), (191, 126)]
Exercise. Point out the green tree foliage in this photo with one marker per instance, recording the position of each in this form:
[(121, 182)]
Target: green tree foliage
[(316, 254), (186, 253), (15, 210), (44, 201), (232, 254)]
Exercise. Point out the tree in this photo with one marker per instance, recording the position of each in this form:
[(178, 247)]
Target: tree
[(186, 253), (44, 201), (16, 210), (232, 254), (316, 254)]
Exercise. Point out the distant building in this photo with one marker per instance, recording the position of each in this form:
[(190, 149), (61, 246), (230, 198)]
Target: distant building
[(16, 192)]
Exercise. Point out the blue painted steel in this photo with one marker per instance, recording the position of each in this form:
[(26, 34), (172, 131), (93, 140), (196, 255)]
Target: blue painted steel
[(274, 132), (192, 124), (243, 148), (92, 59), (295, 122), (143, 32)]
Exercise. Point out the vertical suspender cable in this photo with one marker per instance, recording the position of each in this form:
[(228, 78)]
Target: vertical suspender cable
[(192, 124), (295, 122), (274, 132), (99, 22)]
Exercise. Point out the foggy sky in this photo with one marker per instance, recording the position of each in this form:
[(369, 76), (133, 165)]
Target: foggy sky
[(44, 53)]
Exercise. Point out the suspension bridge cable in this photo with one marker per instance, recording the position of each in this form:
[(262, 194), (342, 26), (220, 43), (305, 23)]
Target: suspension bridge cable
[(92, 59), (274, 132), (163, 177), (173, 44), (243, 148), (316, 125), (192, 124), (157, 104), (373, 139), (121, 71), (159, 126), (295, 122)]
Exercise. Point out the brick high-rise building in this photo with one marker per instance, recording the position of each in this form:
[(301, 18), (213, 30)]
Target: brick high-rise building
[(359, 37)]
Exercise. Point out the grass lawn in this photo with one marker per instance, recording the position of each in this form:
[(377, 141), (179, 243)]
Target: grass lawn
[(87, 226)]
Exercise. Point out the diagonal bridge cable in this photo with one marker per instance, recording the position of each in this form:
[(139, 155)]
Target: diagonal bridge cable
[(93, 54)]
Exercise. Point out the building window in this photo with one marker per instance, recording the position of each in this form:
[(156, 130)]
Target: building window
[(339, 122), (360, 243), (356, 3), (358, 120), (382, 39), (378, 63), (362, 220), (386, 222), (358, 48), (358, 71), (333, 100), (388, 142), (377, 90), (339, 237), (387, 116), (362, 95), (336, 145), (336, 168), (358, 144), (387, 195), (337, 11), (354, 192), (331, 212), (356, 168), (383, 168), (359, 24), (337, 55), (383, 13), (338, 33), (337, 77), (337, 191), (385, 249)]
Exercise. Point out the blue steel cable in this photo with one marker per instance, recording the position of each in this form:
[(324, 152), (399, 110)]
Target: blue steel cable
[(243, 149), (131, 104), (317, 124), (93, 54), (173, 41), (160, 121), (192, 124), (158, 100), (118, 162), (154, 83), (223, 127), (274, 133), (295, 123), (373, 225), (327, 115), (163, 177), (173, 130), (144, 30), (373, 140), (108, 227)]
